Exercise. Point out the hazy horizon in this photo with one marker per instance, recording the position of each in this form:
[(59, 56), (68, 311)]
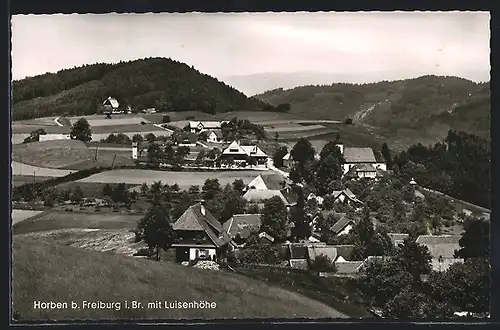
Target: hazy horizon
[(254, 52)]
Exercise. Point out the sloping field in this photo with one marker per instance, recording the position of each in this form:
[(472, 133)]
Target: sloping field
[(54, 220), (21, 215), (181, 115), (25, 169), (45, 272), (116, 120), (53, 154), (119, 241), (115, 129), (258, 116), (18, 138), (18, 180), (292, 128), (183, 179), (20, 128)]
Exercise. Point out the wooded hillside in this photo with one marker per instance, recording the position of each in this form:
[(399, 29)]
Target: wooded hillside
[(429, 105), (162, 83)]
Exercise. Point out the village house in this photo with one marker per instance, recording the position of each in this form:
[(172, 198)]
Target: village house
[(244, 154), (111, 105), (200, 126), (346, 196), (53, 137), (397, 238), (342, 226), (214, 136), (184, 139), (199, 235), (258, 197), (442, 249), (268, 181), (288, 160), (241, 226)]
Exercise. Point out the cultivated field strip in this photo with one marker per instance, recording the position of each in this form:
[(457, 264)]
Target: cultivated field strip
[(183, 179), (293, 128), (25, 169), (20, 215)]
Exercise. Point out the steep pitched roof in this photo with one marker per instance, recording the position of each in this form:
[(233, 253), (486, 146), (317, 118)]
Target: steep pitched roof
[(341, 224), (271, 181), (287, 156), (256, 195), (242, 225), (253, 151), (112, 101), (440, 245), (329, 251), (193, 220), (359, 155), (344, 250), (234, 149), (217, 132)]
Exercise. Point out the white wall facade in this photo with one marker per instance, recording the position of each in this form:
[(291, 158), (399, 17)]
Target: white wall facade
[(257, 184), (212, 137), (134, 152), (52, 137), (194, 252), (346, 230)]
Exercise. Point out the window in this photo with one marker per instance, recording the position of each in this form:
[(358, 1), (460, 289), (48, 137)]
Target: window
[(233, 150)]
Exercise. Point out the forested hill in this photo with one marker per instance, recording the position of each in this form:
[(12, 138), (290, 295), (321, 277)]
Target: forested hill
[(154, 82), (428, 104)]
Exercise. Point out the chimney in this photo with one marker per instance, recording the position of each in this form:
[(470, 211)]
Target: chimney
[(202, 207)]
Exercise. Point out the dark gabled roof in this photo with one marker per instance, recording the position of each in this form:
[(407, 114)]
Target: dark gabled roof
[(359, 155), (298, 251), (341, 224), (180, 137), (273, 181), (193, 220), (440, 245), (242, 225), (217, 132), (345, 250), (348, 267)]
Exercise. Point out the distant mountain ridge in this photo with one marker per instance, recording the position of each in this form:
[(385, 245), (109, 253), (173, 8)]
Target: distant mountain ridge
[(425, 107), (153, 82)]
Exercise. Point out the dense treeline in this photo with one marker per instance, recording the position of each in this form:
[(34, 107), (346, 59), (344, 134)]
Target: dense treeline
[(164, 84), (459, 167)]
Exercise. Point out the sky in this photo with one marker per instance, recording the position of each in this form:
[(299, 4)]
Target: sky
[(248, 49)]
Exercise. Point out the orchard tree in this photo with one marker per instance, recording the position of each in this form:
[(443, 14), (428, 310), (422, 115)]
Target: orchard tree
[(238, 186), (328, 173), (77, 195), (274, 218), (414, 304), (150, 137), (137, 138), (331, 149), (303, 151), (155, 229), (155, 154), (210, 188), (386, 153), (81, 131), (382, 279), (107, 190), (475, 241), (415, 258)]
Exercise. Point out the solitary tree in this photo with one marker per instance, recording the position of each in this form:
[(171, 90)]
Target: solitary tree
[(210, 188), (150, 137), (475, 241), (137, 138), (155, 229), (387, 155), (274, 218), (303, 151), (77, 195), (81, 130), (165, 119)]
